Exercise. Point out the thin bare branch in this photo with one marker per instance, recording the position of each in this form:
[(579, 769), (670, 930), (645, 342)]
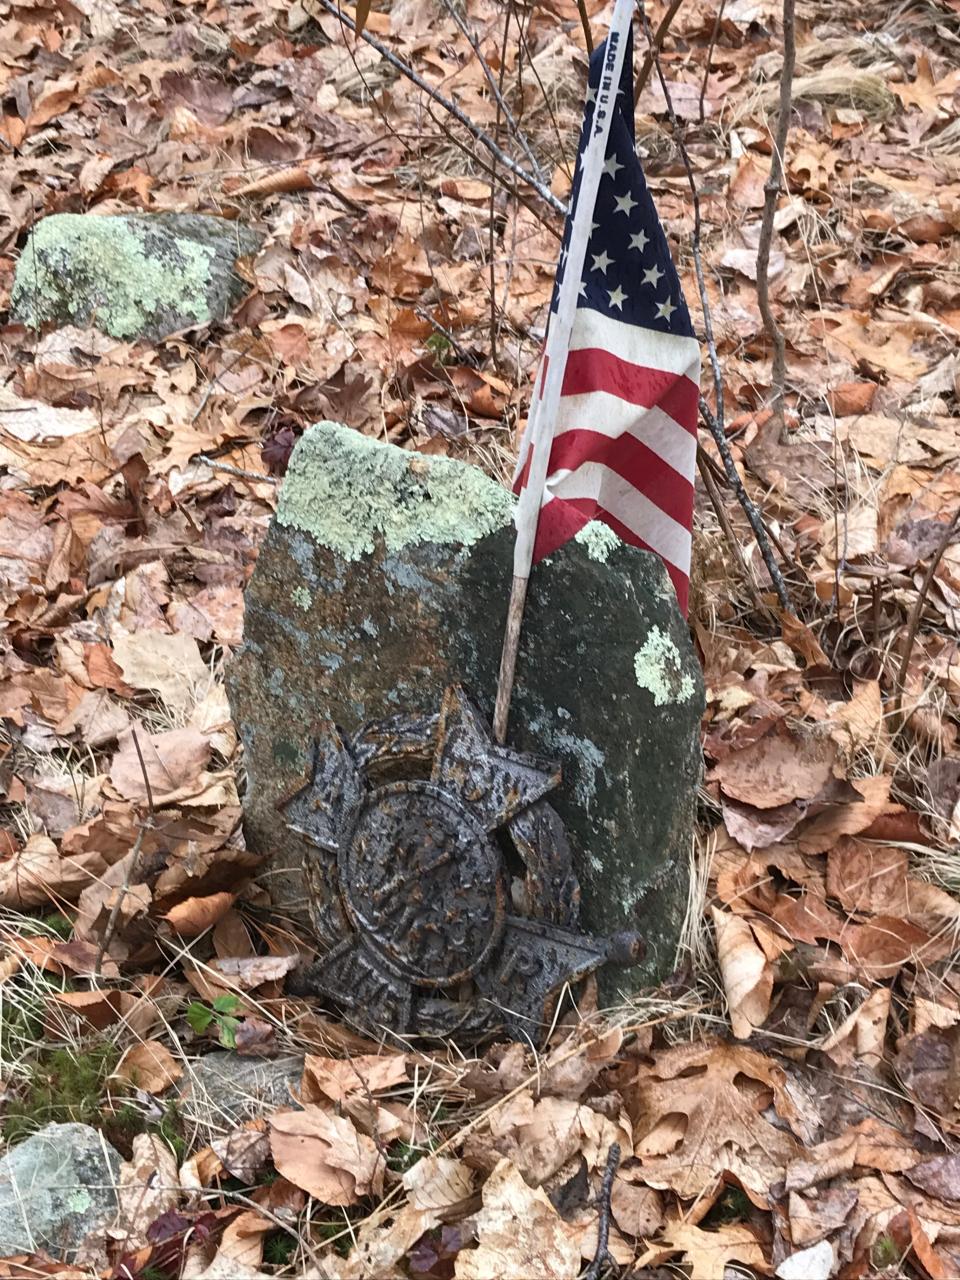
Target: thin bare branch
[(451, 108), (496, 87), (715, 421), (655, 43), (705, 465), (750, 509), (585, 23), (917, 611), (706, 67), (771, 194), (603, 1204), (239, 472)]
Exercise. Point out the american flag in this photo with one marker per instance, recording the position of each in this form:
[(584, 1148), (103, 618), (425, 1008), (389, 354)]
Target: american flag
[(624, 435)]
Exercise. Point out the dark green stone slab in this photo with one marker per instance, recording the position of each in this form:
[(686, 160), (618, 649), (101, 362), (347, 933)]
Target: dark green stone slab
[(384, 577)]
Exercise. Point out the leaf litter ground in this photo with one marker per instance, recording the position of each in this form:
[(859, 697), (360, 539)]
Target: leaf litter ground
[(789, 1100)]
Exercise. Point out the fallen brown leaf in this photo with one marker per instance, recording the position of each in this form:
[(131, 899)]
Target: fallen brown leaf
[(695, 1121), (325, 1155), (519, 1234), (173, 762), (149, 1066), (337, 1078)]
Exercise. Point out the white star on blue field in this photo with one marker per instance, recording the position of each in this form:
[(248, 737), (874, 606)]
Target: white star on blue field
[(628, 273)]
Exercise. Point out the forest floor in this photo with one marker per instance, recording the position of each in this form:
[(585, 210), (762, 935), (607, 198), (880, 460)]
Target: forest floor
[(795, 1089)]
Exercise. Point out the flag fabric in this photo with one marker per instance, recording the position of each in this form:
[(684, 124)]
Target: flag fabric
[(623, 438)]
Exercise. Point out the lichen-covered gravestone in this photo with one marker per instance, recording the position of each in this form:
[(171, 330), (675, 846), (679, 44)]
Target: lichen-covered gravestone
[(131, 275), (384, 577)]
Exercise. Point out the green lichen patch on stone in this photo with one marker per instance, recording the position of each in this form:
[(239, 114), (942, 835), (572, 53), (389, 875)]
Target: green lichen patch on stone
[(659, 669), (598, 540), (131, 276), (346, 490)]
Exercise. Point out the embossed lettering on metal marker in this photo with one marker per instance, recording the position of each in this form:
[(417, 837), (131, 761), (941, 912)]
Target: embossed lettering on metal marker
[(407, 877)]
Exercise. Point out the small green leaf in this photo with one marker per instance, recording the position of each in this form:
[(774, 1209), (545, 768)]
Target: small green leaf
[(228, 1032), (227, 1004), (199, 1016)]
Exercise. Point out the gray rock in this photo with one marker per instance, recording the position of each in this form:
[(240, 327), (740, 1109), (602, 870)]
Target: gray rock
[(131, 275), (384, 577), (223, 1089), (57, 1187)]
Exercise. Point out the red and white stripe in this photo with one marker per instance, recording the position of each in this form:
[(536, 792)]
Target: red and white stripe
[(624, 441)]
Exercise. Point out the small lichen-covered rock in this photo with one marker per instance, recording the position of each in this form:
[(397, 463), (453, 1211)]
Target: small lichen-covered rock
[(56, 1188), (131, 275), (384, 577), (221, 1089)]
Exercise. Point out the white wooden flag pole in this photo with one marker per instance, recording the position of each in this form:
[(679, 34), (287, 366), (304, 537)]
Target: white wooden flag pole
[(538, 440)]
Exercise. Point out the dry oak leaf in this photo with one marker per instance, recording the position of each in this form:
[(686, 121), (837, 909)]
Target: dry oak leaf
[(746, 970), (325, 1155), (245, 973), (437, 1182), (929, 1066), (168, 665), (939, 1177), (244, 1152), (862, 1034), (149, 1066), (100, 1009), (37, 874), (149, 1187), (707, 1253), (173, 762), (637, 1210), (541, 1136), (813, 1219), (869, 1145), (697, 1113), (338, 1078), (791, 762), (239, 1252), (378, 1250), (519, 1234), (818, 834), (194, 916)]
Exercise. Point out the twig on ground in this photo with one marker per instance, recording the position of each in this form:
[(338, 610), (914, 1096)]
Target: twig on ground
[(451, 108), (771, 194), (714, 422), (706, 466), (706, 69), (466, 356), (496, 86), (212, 384), (750, 509), (249, 475), (603, 1224), (918, 611), (585, 23), (655, 45), (134, 863)]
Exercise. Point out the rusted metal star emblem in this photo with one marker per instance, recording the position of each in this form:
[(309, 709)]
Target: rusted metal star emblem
[(440, 878)]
